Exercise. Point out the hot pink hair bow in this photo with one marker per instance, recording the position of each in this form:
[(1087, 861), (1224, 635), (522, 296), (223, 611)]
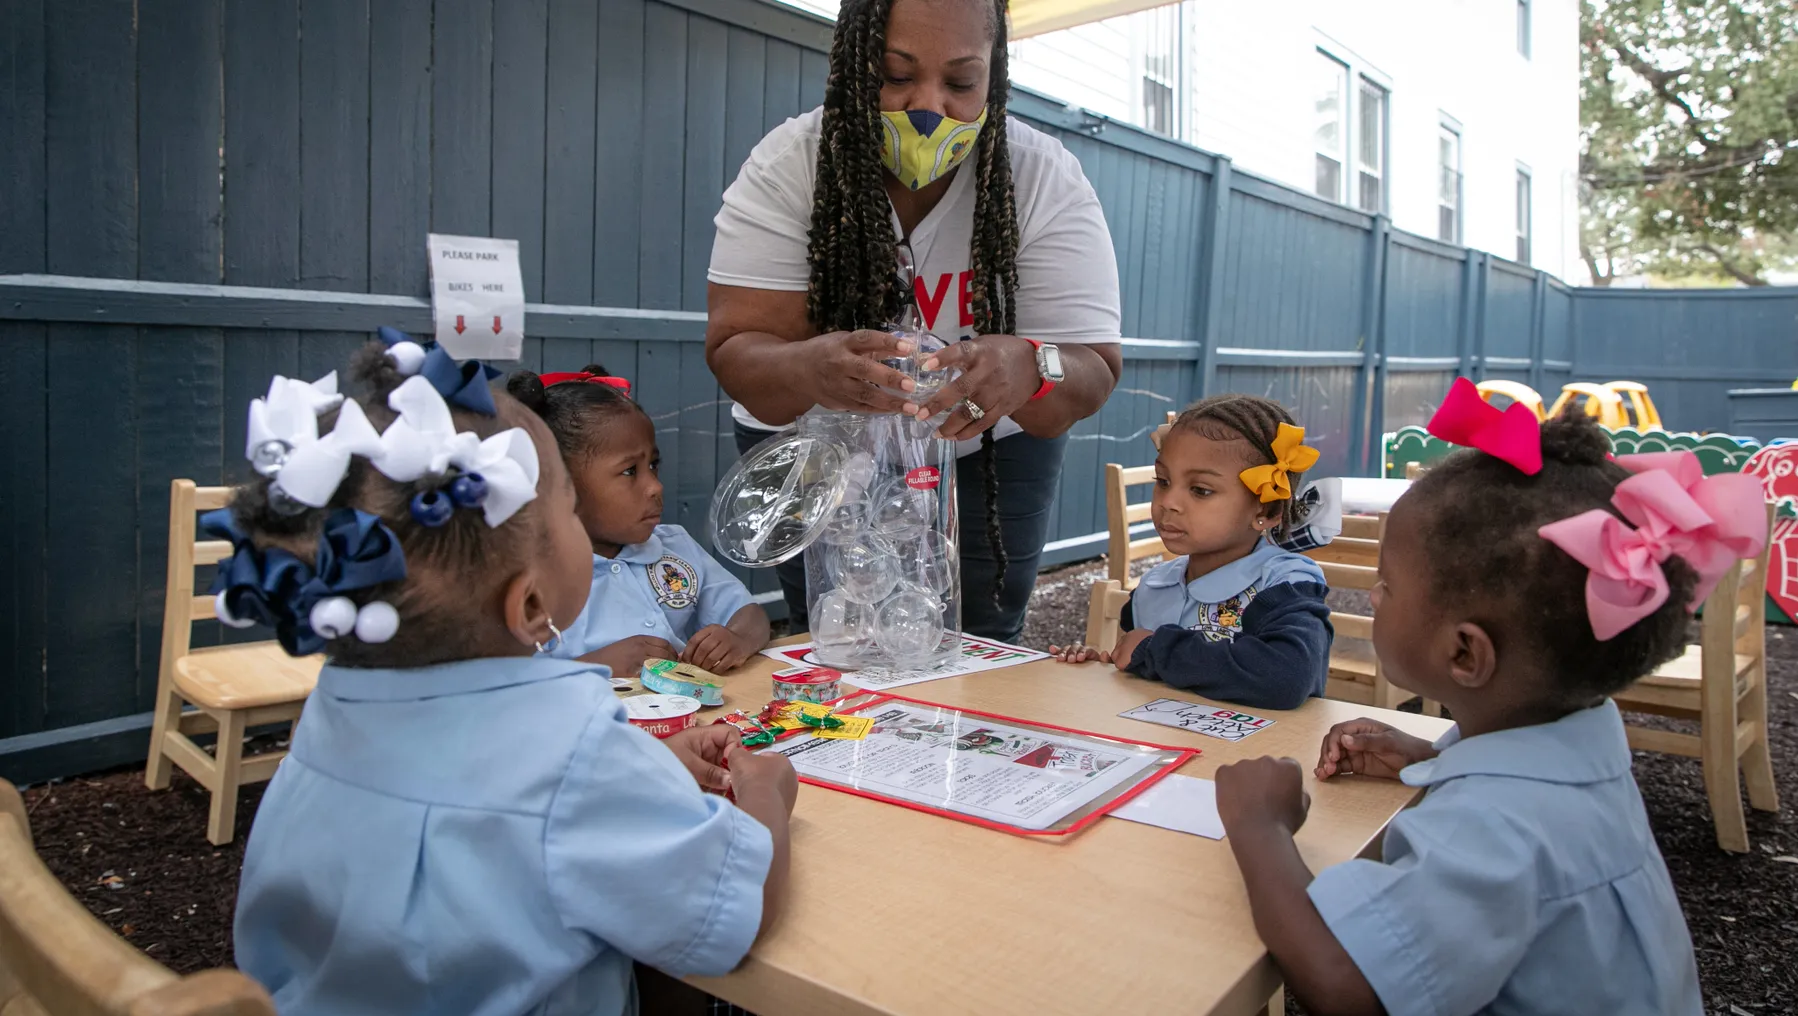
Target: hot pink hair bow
[(1512, 434), (1672, 508)]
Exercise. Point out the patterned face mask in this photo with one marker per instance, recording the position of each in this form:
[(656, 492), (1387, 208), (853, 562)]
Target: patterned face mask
[(921, 147)]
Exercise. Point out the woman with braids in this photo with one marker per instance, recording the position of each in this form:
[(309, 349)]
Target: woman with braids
[(913, 148), (1234, 617)]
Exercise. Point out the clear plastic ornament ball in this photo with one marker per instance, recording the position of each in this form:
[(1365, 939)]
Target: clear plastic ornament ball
[(909, 625), (929, 382), (839, 622), (865, 570), (847, 522), (902, 512), (931, 560)]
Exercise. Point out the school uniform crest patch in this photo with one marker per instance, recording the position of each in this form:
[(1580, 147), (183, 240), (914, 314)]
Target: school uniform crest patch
[(675, 583), (1222, 622)]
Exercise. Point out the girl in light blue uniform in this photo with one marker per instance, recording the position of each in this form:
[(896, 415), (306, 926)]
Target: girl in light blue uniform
[(656, 593), (460, 827)]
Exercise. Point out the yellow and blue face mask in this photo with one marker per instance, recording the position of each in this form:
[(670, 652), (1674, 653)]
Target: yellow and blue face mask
[(920, 147)]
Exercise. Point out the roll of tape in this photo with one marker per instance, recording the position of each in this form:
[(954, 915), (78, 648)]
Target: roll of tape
[(669, 678), (808, 684), (662, 715)]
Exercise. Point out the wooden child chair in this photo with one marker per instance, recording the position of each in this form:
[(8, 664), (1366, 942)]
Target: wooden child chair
[(1103, 613), (231, 688), (1352, 562), (1120, 515), (56, 958), (1721, 683)]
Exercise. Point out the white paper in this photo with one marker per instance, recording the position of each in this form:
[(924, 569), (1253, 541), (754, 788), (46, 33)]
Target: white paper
[(971, 765), (477, 295), (1224, 724), (1185, 804), (977, 654)]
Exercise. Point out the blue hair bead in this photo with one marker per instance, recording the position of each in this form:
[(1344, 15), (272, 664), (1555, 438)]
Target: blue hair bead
[(468, 490), (431, 509)]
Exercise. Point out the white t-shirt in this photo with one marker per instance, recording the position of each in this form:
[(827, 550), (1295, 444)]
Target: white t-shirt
[(1067, 271)]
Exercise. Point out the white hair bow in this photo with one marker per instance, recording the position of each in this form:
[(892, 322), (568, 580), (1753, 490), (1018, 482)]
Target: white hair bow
[(424, 442), (286, 419)]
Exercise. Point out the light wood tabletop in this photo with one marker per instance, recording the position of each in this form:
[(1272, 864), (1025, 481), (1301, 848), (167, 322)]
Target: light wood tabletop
[(895, 911)]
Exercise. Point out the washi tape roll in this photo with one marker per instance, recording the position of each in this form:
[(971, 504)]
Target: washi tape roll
[(667, 677), (808, 684), (662, 715)]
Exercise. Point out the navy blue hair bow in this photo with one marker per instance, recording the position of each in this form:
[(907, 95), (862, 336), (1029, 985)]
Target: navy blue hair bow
[(464, 384), (277, 590)]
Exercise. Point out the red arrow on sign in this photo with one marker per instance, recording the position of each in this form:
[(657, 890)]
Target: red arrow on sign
[(496, 328), (460, 327)]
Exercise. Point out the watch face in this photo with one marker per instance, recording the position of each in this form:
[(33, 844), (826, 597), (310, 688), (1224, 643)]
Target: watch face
[(1051, 363)]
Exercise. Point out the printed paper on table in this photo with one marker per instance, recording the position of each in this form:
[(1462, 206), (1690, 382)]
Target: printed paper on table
[(977, 654)]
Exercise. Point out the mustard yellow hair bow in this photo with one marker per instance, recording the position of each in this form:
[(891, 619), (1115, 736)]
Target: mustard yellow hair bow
[(1290, 456)]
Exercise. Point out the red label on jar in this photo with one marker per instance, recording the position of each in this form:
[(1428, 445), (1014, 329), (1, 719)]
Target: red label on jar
[(924, 478)]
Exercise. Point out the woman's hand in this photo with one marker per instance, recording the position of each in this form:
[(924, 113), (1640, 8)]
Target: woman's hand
[(1369, 748), (998, 374), (842, 371)]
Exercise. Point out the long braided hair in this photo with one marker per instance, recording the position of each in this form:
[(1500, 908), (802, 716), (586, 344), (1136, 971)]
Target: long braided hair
[(852, 243)]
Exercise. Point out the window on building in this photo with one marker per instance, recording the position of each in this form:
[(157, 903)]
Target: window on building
[(1160, 34), (1371, 143), (1523, 28), (1523, 216), (1330, 135), (1448, 188)]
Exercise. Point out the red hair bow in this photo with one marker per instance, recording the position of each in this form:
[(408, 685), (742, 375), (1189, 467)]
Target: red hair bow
[(583, 377), (1512, 434)]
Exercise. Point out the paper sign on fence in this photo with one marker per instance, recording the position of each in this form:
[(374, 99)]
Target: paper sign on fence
[(477, 296)]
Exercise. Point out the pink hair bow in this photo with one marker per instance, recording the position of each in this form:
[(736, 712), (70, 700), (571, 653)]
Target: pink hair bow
[(1512, 434), (1671, 508)]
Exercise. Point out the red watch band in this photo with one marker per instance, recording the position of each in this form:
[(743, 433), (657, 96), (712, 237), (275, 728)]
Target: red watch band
[(1048, 385)]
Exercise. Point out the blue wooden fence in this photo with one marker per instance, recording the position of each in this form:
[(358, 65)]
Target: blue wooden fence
[(200, 195)]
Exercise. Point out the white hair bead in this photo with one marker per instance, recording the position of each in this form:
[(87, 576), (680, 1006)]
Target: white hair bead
[(225, 616), (377, 622), (407, 356), (334, 617)]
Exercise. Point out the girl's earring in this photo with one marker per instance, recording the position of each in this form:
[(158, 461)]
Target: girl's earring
[(555, 638)]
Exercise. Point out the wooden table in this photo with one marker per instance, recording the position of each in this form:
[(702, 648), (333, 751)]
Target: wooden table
[(894, 911)]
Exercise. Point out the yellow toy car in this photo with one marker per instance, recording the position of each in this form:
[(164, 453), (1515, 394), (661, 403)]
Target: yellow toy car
[(1637, 405), (1593, 400), (1514, 391)]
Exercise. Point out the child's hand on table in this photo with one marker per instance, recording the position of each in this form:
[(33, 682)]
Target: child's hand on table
[(626, 656), (1127, 645), (718, 649), (1078, 653), (1262, 793), (1369, 748), (754, 774), (702, 749)]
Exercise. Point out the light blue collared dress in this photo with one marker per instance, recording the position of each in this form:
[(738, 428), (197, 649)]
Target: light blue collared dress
[(487, 837), (666, 586), (1526, 881)]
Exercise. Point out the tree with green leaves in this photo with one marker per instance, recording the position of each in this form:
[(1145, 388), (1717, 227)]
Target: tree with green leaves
[(1689, 161)]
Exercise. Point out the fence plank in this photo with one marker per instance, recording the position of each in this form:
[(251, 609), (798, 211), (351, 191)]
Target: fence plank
[(334, 168), (814, 67), (745, 114), (572, 76), (462, 118), (520, 52), (664, 147), (23, 506), (708, 55), (399, 155), (180, 376), (262, 181), (617, 234), (91, 177), (780, 94)]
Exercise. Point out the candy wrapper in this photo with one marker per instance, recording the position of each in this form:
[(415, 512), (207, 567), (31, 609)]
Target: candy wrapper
[(754, 733)]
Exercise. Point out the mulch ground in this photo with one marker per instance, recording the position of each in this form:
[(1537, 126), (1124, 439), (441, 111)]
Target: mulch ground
[(139, 860)]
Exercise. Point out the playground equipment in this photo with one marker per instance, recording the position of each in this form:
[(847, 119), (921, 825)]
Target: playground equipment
[(1637, 404), (1516, 391), (1593, 400)]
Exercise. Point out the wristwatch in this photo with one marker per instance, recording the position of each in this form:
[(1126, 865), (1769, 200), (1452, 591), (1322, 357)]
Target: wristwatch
[(1048, 364)]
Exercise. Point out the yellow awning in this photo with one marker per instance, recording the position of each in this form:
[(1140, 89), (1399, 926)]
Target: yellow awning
[(1035, 17)]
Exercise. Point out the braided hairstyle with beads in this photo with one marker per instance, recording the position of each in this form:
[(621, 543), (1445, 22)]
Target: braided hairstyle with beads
[(1256, 421), (852, 245)]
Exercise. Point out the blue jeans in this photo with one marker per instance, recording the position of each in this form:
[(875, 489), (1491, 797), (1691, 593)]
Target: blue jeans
[(1029, 475)]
